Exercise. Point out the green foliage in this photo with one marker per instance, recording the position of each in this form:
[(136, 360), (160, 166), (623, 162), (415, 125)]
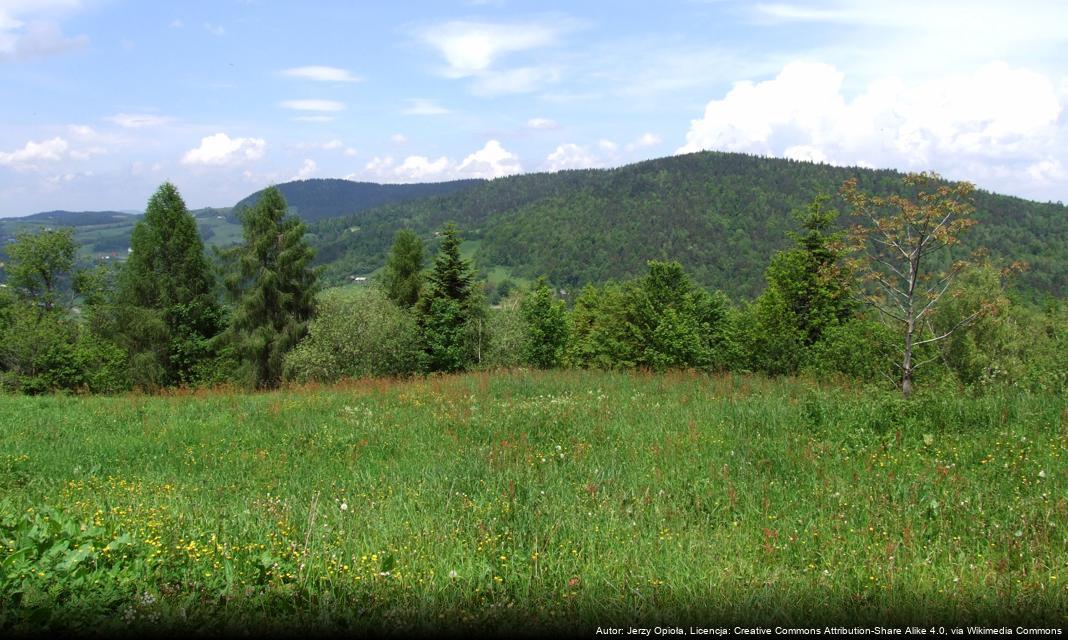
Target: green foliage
[(546, 324), (859, 350), (166, 308), (41, 263), (506, 334), (403, 278), (719, 214), (356, 333), (660, 321), (808, 291), (450, 314), (274, 288)]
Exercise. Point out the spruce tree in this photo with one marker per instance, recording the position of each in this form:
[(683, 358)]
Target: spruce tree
[(449, 309), (274, 288), (167, 308), (404, 269)]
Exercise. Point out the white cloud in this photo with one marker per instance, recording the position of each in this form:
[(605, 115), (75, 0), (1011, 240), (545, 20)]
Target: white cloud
[(491, 161), (215, 29), (307, 170), (24, 40), (138, 120), (398, 138), (607, 145), (470, 48), (422, 107), (474, 49), (312, 105), (569, 156), (30, 156), (314, 118), (645, 140), (542, 123), (998, 120), (176, 24), (320, 73), (221, 149), (350, 152), (418, 168)]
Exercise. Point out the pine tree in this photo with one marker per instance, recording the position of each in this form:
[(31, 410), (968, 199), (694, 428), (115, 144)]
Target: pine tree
[(404, 269), (449, 310), (274, 288), (167, 308)]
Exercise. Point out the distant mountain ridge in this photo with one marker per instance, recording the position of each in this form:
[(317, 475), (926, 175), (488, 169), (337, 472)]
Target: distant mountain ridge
[(75, 218), (320, 198), (722, 215)]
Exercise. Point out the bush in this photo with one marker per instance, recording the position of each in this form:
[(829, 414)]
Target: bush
[(358, 332)]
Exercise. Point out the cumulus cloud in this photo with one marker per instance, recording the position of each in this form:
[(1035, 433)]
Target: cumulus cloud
[(491, 161), (33, 154), (221, 149), (645, 140), (569, 156), (997, 116), (138, 120), (422, 107), (215, 29), (312, 105), (320, 73), (306, 170), (398, 138)]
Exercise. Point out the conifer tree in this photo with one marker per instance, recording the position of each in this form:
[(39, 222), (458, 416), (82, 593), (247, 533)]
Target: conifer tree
[(167, 308), (449, 308), (404, 269), (274, 288)]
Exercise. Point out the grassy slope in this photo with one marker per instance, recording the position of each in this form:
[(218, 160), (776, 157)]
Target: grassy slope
[(598, 497)]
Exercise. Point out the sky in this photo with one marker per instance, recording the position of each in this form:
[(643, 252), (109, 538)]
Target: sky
[(103, 100)]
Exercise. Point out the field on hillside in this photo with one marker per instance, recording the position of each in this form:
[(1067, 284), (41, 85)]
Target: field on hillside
[(548, 499)]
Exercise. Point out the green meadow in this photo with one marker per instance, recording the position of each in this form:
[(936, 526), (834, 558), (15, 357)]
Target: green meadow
[(528, 501)]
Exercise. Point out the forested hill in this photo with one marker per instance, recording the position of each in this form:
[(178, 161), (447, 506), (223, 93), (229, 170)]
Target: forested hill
[(326, 198), (721, 214)]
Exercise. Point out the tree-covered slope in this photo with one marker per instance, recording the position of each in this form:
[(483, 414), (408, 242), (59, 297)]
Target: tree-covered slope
[(722, 215), (326, 198)]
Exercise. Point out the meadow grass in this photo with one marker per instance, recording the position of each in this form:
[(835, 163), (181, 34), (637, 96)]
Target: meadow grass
[(532, 501)]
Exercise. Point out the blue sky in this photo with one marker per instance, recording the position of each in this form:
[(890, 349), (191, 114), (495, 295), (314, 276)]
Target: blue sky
[(105, 99)]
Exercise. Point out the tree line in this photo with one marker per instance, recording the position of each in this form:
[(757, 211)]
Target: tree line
[(886, 302)]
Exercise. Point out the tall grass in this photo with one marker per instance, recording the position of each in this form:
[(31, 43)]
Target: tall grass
[(547, 499)]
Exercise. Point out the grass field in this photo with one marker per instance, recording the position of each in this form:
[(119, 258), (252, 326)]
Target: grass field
[(562, 500)]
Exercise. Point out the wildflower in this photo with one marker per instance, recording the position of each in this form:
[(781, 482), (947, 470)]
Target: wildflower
[(453, 575), (344, 506)]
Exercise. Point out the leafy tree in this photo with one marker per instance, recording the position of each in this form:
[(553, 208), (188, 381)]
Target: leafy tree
[(167, 307), (274, 288), (660, 321), (506, 330), (449, 312), (356, 332), (897, 250), (546, 324), (404, 269), (40, 263)]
